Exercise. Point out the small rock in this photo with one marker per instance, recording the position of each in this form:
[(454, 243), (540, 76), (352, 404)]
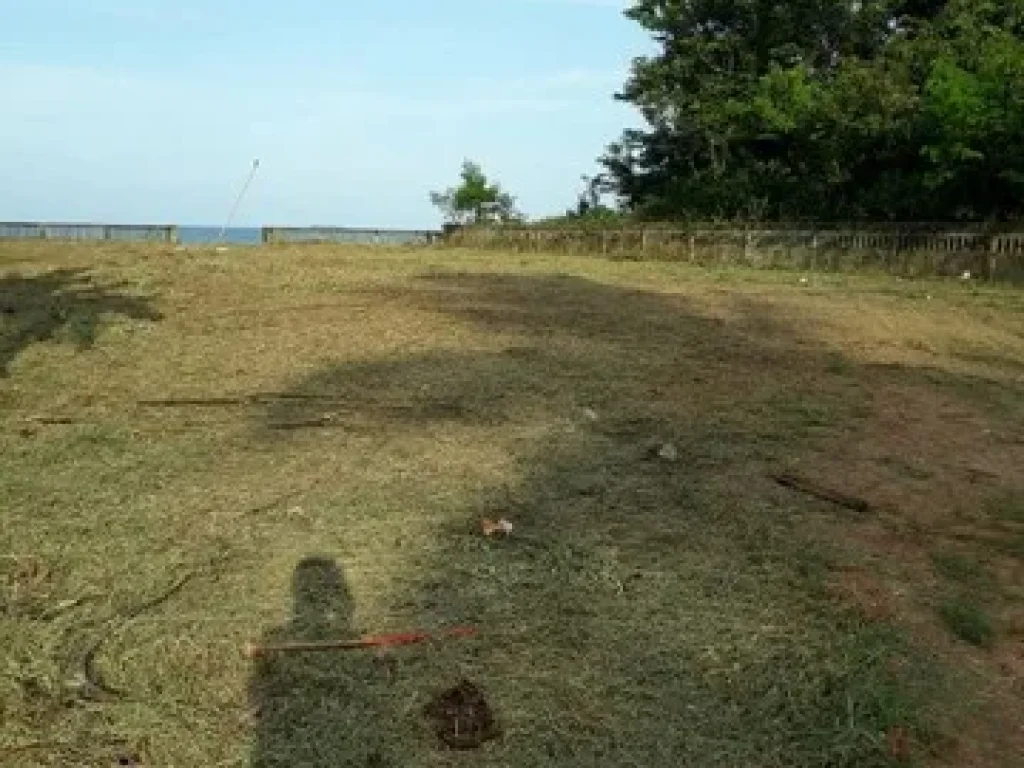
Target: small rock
[(966, 275), (668, 452), (659, 449), (590, 414)]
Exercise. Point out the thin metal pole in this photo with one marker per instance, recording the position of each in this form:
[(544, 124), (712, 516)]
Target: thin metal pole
[(238, 200)]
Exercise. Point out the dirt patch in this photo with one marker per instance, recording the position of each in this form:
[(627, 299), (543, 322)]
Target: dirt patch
[(864, 592), (931, 465), (462, 718)]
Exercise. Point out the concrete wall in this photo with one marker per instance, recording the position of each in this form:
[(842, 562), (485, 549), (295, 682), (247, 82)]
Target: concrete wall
[(56, 231)]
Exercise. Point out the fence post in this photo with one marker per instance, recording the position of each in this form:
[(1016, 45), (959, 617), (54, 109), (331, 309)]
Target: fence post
[(693, 249), (604, 242)]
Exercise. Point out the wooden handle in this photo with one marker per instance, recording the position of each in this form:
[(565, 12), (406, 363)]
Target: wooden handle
[(256, 651)]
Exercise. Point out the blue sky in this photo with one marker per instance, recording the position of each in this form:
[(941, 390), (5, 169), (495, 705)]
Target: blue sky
[(152, 110)]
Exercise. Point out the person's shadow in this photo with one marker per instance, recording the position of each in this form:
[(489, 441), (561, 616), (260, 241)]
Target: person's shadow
[(318, 709)]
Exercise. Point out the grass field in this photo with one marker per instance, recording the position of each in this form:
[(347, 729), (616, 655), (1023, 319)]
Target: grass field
[(200, 450)]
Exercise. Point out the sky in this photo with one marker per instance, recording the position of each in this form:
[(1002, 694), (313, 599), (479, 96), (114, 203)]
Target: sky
[(152, 111)]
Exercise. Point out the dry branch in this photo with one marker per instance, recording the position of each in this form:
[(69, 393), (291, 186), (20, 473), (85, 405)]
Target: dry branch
[(818, 491)]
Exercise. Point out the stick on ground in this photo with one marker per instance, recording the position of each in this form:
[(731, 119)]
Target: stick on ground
[(818, 491)]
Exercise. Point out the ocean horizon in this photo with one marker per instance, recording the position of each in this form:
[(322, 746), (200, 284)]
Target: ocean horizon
[(202, 235)]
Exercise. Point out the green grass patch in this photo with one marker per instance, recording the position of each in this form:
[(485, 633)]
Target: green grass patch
[(1008, 506), (968, 621), (960, 567)]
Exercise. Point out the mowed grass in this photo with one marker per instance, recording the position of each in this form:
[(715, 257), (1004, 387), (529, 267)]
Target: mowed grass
[(200, 450)]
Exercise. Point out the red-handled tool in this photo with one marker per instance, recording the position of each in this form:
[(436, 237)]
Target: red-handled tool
[(396, 640)]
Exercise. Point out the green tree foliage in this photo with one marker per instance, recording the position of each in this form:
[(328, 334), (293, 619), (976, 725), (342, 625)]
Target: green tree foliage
[(589, 205), (475, 200), (826, 109)]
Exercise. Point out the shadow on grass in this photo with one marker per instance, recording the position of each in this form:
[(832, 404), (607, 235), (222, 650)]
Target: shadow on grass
[(416, 391), (316, 709), (39, 308), (644, 612)]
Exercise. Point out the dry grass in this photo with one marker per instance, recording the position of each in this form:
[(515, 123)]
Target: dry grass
[(353, 413)]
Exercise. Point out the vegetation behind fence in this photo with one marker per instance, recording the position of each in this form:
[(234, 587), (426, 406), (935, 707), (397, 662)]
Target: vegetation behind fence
[(907, 250), (272, 235)]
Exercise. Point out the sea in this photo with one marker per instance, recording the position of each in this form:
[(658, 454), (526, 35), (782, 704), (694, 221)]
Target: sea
[(232, 236), (205, 235)]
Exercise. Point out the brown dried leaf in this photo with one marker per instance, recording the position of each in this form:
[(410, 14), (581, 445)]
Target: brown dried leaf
[(494, 528)]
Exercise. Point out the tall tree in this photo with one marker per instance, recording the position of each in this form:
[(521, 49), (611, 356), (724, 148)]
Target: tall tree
[(825, 109), (475, 200)]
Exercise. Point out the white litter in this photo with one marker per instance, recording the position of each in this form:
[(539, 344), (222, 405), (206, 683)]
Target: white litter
[(668, 452)]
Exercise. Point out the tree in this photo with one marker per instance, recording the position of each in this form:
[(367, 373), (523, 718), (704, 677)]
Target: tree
[(589, 204), (826, 109), (475, 200)]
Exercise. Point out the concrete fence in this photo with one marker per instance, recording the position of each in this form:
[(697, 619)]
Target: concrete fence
[(161, 233), (273, 235), (907, 250), (172, 233)]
